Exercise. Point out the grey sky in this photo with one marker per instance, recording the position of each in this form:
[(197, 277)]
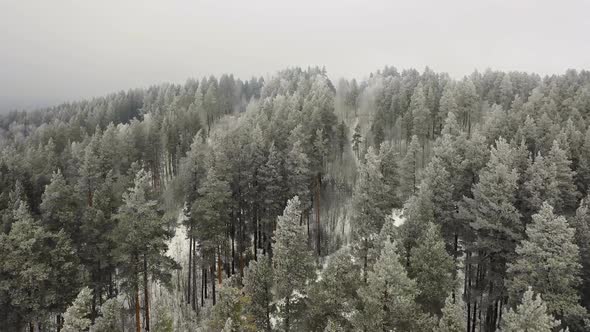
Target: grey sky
[(58, 50)]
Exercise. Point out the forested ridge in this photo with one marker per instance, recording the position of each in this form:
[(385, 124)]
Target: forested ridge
[(408, 201)]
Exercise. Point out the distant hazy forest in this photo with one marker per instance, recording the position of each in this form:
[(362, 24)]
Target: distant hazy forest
[(409, 201)]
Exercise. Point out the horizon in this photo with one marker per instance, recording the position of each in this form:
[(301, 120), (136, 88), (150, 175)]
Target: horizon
[(65, 51)]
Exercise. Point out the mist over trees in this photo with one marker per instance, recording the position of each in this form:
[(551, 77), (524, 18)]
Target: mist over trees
[(408, 201)]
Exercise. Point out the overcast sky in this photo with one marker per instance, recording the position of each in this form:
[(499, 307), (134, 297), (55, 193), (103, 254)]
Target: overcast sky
[(54, 51)]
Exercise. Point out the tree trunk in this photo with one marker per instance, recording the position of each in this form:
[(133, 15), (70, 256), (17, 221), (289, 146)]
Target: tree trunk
[(203, 285), (194, 297), (455, 253), (365, 264), (213, 282), (233, 252), (318, 192), (190, 259), (474, 319), (137, 318), (287, 303), (219, 267), (146, 294), (206, 287)]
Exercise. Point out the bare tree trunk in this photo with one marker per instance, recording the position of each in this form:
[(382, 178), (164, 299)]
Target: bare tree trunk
[(190, 259), (203, 285), (365, 264), (287, 307), (213, 282), (255, 222), (146, 294), (318, 193), (194, 297), (219, 267), (137, 318), (233, 251)]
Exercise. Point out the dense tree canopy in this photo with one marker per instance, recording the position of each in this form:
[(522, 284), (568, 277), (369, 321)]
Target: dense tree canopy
[(407, 201)]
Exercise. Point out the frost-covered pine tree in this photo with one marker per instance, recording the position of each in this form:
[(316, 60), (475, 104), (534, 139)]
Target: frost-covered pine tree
[(258, 282), (389, 297), (453, 316), (432, 268), (292, 260), (77, 316), (408, 169), (110, 318), (530, 315), (548, 260)]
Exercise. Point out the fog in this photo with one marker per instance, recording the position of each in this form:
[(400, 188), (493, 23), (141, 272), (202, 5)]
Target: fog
[(54, 51)]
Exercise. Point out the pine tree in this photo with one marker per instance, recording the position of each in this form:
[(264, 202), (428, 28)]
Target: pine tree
[(77, 317), (142, 242), (539, 186), (420, 115), (335, 293), (59, 207), (581, 223), (298, 171), (447, 106), (530, 315), (389, 164), (292, 261), (341, 138), (389, 296), (496, 224), (506, 91), (467, 103), (273, 195), (408, 170), (369, 203), (111, 317), (212, 209), (357, 139), (35, 264), (437, 181), (564, 178), (258, 283), (230, 307), (432, 268), (548, 260), (583, 171), (453, 315)]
